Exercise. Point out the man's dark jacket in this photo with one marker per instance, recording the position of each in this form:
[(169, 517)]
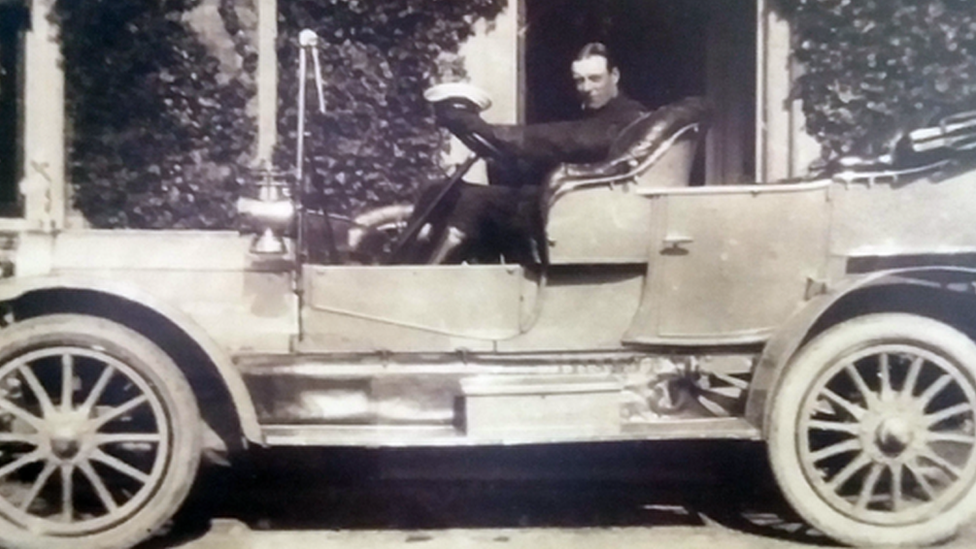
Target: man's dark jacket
[(537, 148)]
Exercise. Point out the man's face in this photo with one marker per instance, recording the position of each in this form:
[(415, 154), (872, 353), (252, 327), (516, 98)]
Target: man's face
[(595, 84)]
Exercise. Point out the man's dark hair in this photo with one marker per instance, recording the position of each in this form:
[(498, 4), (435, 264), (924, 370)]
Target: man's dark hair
[(597, 49)]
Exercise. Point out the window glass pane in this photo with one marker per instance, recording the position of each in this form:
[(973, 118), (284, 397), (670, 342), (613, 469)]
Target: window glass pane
[(11, 19)]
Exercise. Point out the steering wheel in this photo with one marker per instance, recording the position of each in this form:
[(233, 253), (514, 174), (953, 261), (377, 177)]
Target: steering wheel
[(451, 96), (481, 145)]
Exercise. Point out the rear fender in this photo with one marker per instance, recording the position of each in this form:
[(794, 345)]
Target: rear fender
[(819, 314)]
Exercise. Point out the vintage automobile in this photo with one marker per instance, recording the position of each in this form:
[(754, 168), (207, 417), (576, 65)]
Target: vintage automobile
[(831, 317)]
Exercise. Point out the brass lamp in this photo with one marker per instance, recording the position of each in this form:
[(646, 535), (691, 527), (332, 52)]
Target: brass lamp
[(269, 216)]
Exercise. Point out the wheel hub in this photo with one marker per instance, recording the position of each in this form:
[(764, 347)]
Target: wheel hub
[(65, 448), (893, 436), (66, 437)]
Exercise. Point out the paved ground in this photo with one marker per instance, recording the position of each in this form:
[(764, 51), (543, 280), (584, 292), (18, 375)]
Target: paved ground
[(662, 495)]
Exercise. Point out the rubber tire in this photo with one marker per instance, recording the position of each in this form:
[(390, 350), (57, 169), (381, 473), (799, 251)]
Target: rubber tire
[(176, 397), (802, 372)]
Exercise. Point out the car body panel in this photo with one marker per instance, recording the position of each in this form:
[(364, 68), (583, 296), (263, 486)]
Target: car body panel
[(600, 225), (246, 303), (467, 307), (733, 263), (581, 309), (924, 215), (412, 308)]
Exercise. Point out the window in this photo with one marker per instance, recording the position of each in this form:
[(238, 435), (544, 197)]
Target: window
[(12, 21)]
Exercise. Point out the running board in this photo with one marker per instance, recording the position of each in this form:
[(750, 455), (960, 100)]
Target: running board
[(373, 436)]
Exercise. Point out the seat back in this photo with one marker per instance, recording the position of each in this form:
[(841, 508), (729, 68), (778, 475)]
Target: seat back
[(657, 149), (674, 163)]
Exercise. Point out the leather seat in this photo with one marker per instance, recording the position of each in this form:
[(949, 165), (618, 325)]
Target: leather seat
[(657, 149)]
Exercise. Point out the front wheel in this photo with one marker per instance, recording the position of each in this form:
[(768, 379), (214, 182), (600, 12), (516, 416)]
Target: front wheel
[(99, 435), (872, 435)]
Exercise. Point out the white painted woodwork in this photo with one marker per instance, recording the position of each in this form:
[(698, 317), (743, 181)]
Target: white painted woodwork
[(783, 147), (43, 185), (267, 80), (492, 59)]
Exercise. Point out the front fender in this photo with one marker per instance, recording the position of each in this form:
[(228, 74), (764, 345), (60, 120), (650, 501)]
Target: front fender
[(14, 288), (788, 339)]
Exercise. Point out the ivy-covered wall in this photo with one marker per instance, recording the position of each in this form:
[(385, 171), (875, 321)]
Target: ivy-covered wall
[(157, 137), (873, 68), (160, 137), (377, 141)]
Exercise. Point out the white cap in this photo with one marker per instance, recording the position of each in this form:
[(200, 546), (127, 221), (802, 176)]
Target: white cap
[(458, 90)]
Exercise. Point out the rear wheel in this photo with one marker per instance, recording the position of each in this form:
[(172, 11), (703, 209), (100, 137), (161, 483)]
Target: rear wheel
[(99, 434), (872, 435)]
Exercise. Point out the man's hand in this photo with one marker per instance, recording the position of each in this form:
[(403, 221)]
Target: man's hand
[(458, 115), (461, 117)]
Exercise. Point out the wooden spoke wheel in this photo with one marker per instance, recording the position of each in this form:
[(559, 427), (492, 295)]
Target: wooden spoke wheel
[(873, 431), (99, 434)]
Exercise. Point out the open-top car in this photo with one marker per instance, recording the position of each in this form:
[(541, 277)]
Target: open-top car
[(831, 317)]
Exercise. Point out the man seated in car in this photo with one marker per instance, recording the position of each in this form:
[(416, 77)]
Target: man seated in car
[(484, 223)]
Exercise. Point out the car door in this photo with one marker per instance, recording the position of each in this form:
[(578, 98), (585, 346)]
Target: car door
[(734, 261)]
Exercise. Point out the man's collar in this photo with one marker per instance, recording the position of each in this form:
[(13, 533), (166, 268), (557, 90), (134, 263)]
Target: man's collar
[(614, 101)]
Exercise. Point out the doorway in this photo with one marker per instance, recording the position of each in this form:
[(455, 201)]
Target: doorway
[(12, 21), (667, 50)]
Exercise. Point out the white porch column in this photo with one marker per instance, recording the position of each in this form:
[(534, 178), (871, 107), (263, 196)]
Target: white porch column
[(783, 147), (43, 186), (493, 61), (267, 81)]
